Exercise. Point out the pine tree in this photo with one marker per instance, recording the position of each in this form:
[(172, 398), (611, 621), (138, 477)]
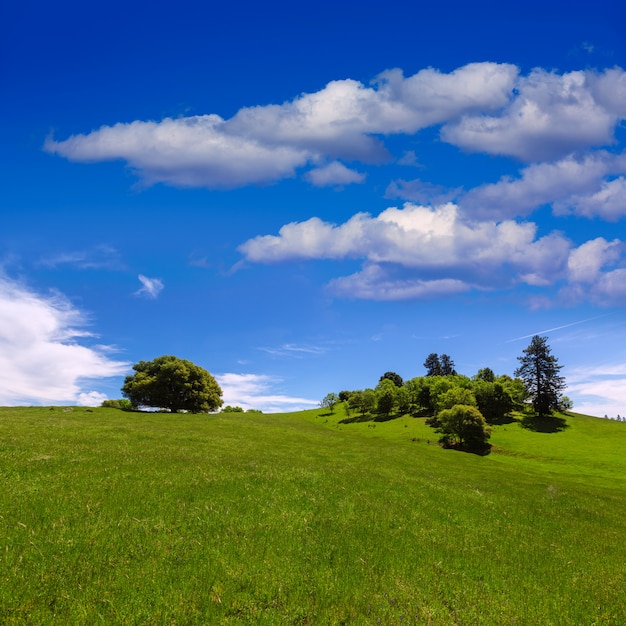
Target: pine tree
[(539, 370)]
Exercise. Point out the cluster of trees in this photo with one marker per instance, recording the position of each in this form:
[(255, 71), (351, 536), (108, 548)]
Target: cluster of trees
[(459, 407)]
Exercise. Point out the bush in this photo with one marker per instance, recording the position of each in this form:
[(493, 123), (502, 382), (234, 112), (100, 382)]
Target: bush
[(465, 425), (124, 404)]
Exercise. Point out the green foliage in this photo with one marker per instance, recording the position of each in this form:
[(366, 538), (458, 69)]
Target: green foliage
[(539, 370), (123, 403), (464, 425), (344, 395), (486, 374), (565, 404), (439, 365), (455, 395), (385, 396), (432, 365), (232, 409), (363, 401), (171, 383), (493, 400), (329, 402), (419, 395), (396, 379)]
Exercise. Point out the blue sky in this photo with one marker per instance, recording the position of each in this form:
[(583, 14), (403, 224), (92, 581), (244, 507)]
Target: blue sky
[(300, 199)]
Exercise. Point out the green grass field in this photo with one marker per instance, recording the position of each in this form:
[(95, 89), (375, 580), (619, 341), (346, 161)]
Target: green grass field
[(136, 518)]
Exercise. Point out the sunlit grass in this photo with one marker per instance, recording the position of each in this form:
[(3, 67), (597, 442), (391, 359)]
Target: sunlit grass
[(126, 518)]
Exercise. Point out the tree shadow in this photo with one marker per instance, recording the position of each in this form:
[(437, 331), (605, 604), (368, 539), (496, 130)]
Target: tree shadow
[(357, 419), (386, 418), (544, 424), (479, 450), (499, 421)]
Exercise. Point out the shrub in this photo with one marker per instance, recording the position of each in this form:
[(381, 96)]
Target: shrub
[(124, 404), (465, 425)]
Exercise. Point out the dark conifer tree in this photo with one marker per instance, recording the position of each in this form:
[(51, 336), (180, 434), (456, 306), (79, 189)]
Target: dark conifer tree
[(539, 370)]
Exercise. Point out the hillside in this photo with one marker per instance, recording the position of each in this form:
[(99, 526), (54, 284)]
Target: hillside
[(127, 518)]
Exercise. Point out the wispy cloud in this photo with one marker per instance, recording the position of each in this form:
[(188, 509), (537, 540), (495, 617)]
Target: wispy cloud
[(42, 356), (550, 330), (258, 391), (151, 287), (294, 351), (98, 258)]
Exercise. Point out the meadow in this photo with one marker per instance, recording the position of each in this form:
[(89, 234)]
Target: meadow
[(113, 517)]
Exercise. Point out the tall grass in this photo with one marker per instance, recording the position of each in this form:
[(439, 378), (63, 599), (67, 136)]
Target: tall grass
[(127, 518)]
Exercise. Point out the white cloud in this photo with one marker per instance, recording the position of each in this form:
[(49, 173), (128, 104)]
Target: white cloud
[(550, 116), (101, 257), (374, 283), (91, 398), (484, 107), (151, 287), (186, 152), (41, 361), (334, 173), (608, 202), (436, 251), (263, 144), (586, 262), (573, 184), (295, 351), (255, 391), (598, 390)]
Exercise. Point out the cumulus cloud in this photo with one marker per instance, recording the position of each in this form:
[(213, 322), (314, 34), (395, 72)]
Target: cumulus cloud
[(193, 151), (333, 174), (573, 184), (550, 116), (263, 144), (586, 262), (420, 251), (484, 107), (151, 287), (256, 391), (41, 358), (607, 201)]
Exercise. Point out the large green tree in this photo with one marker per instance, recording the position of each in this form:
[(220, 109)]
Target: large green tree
[(171, 383), (539, 370)]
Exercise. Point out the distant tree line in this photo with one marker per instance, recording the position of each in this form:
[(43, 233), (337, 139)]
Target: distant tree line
[(459, 407)]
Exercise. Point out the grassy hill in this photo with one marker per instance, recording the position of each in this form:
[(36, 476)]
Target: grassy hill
[(128, 518)]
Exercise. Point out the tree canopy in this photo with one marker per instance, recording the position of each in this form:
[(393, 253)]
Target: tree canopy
[(465, 425), (171, 383), (539, 370), (439, 365), (396, 379)]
